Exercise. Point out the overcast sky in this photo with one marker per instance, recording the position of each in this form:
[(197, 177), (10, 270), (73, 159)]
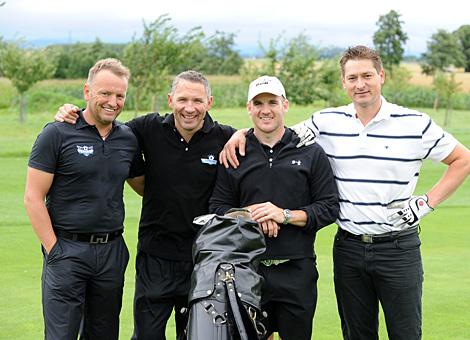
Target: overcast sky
[(327, 22)]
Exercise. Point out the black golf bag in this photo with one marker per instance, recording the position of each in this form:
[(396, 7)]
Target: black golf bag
[(225, 294)]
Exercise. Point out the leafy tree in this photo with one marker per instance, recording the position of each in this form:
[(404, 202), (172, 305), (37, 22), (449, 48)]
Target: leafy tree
[(463, 34), (192, 51), (329, 83), (2, 46), (443, 50), (24, 68), (446, 87), (74, 61), (389, 39), (273, 55), (150, 59), (221, 56), (297, 70), (397, 84), (294, 62)]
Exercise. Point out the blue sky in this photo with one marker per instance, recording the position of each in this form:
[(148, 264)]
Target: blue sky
[(328, 23)]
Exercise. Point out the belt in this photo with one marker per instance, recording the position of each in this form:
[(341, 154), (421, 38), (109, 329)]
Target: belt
[(379, 238), (89, 238)]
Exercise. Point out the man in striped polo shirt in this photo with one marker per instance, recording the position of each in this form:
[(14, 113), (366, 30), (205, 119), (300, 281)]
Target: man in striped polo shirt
[(376, 150)]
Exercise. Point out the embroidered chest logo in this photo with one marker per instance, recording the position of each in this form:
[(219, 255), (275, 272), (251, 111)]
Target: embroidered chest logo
[(85, 150), (296, 162), (209, 160)]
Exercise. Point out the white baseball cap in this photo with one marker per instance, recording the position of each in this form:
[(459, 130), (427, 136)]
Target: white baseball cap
[(266, 84)]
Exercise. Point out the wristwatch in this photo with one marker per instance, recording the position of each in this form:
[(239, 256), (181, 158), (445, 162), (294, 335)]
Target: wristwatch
[(287, 216)]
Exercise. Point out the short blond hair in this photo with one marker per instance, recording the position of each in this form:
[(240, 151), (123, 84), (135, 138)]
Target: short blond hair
[(109, 64)]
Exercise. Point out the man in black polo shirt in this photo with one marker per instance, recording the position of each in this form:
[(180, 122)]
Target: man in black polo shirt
[(180, 151), (291, 193), (74, 199)]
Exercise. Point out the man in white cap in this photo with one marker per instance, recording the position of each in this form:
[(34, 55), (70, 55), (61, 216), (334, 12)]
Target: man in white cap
[(291, 193)]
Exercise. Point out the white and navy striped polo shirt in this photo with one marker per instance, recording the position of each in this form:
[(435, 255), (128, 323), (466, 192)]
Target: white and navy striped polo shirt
[(379, 163)]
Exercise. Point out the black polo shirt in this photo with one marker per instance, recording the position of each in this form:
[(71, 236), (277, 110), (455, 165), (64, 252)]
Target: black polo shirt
[(86, 195), (179, 178), (289, 177)]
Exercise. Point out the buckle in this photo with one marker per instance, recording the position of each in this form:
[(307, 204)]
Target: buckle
[(366, 238), (99, 238)]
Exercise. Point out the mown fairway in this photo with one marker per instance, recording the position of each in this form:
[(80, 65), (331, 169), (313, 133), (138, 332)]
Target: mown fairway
[(445, 243)]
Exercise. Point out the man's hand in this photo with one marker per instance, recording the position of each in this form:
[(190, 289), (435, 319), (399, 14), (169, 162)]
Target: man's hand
[(270, 228), (228, 156), (67, 113), (411, 211), (268, 217), (306, 135)]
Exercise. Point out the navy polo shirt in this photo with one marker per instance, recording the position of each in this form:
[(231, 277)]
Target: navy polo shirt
[(289, 177), (86, 195), (179, 178)]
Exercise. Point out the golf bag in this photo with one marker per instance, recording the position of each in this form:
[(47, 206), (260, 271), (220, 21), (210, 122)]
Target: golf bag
[(225, 293)]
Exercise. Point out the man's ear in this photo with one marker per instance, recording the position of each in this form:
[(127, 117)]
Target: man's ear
[(210, 101), (170, 101), (86, 92)]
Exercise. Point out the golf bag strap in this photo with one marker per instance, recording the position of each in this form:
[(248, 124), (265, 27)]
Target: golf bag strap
[(234, 306), (217, 318)]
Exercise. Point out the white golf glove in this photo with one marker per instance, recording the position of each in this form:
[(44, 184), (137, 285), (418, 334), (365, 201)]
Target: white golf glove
[(306, 135), (411, 211)]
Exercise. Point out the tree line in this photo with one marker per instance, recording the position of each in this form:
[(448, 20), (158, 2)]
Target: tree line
[(162, 51)]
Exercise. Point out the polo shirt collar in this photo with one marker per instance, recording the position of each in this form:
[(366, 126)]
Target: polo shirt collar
[(82, 123), (286, 137), (206, 126), (383, 114)]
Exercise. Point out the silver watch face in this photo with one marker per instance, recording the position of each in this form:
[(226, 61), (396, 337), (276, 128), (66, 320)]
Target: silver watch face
[(287, 215)]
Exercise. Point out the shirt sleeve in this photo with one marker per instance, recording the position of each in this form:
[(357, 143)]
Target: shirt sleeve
[(224, 196), (437, 143), (325, 207), (138, 165), (138, 127), (46, 149), (228, 131)]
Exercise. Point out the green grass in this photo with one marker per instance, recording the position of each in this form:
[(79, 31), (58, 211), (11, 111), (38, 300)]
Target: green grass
[(445, 242)]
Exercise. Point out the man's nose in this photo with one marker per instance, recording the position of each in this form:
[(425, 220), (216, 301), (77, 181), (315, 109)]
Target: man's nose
[(360, 82), (265, 109), (112, 100)]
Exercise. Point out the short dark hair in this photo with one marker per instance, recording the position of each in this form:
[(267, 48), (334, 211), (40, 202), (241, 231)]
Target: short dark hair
[(361, 52), (193, 77), (109, 64)]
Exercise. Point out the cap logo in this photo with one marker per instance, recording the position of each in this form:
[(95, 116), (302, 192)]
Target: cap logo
[(262, 83)]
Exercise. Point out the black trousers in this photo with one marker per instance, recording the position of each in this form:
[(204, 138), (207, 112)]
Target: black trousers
[(289, 297), (160, 286), (86, 280), (390, 273)]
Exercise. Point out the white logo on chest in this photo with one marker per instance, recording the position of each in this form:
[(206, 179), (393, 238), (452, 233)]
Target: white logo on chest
[(85, 150), (209, 160)]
